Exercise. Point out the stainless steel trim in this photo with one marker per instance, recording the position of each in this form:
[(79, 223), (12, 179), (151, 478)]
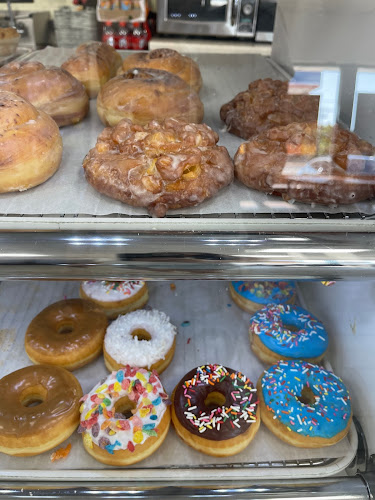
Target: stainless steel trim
[(340, 488), (164, 255)]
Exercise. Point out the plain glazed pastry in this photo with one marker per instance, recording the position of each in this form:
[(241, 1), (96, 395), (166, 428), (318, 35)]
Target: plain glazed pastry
[(21, 124), (93, 64), (302, 163), (142, 95), (267, 104), (115, 297), (287, 332), (125, 418), (161, 166), (50, 89), (254, 295), (167, 60), (141, 338), (9, 38), (304, 404), (215, 410), (68, 333), (39, 409)]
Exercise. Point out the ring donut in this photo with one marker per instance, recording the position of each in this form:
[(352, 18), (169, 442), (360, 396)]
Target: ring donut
[(254, 295)]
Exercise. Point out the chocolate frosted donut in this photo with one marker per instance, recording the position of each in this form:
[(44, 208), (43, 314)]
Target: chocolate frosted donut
[(267, 104), (142, 95), (161, 166), (215, 410), (307, 164)]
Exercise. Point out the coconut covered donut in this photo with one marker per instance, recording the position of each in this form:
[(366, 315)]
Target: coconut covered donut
[(301, 162), (115, 297), (161, 166), (125, 418), (304, 404), (141, 338)]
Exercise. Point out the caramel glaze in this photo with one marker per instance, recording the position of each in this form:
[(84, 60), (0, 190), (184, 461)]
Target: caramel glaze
[(85, 320), (59, 391), (197, 397)]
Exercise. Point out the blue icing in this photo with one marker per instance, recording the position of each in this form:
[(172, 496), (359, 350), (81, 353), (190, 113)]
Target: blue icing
[(266, 292), (270, 324), (282, 384)]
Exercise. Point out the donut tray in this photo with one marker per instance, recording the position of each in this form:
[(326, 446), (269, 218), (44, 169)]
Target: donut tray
[(211, 328)]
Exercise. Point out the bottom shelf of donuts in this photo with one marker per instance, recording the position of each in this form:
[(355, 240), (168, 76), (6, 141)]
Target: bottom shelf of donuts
[(211, 329)]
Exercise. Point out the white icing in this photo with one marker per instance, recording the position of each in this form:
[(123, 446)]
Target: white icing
[(111, 291), (128, 350)]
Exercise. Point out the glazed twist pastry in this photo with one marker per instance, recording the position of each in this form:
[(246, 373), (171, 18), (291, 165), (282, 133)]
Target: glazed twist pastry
[(142, 95), (23, 125), (267, 104), (93, 64), (307, 164), (50, 89), (160, 166), (167, 60)]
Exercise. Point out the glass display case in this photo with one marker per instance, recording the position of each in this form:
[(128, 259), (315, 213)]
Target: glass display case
[(287, 194)]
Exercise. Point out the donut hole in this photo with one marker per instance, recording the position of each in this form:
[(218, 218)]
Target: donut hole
[(141, 334), (124, 407), (291, 328), (64, 328), (307, 396), (33, 396), (214, 400)]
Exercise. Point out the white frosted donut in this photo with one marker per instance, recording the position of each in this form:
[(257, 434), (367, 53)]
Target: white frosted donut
[(115, 297), (142, 338)]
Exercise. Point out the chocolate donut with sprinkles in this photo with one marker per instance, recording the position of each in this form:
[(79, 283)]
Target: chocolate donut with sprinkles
[(287, 332), (125, 418), (215, 410), (253, 295), (304, 404)]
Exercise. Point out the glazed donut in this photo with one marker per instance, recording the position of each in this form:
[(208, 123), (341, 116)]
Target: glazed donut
[(93, 64), (267, 104), (125, 418), (283, 161), (23, 167), (166, 60), (39, 409), (212, 409), (287, 332), (50, 89), (68, 333), (160, 166), (304, 404), (141, 338), (142, 95), (9, 38), (115, 297), (254, 295)]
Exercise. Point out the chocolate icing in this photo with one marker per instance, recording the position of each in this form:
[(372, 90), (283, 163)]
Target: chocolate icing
[(240, 405)]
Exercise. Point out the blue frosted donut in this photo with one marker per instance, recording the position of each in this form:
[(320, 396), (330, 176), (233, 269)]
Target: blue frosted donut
[(326, 410), (266, 292), (290, 331)]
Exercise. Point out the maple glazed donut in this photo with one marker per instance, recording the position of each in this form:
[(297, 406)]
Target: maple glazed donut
[(142, 95), (141, 338), (39, 409), (287, 332), (304, 404), (48, 88), (161, 166), (21, 124), (301, 162), (125, 418), (115, 297), (68, 333), (215, 410), (254, 295), (168, 60)]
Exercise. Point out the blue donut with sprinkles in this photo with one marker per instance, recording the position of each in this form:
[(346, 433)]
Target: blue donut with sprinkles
[(253, 295), (287, 332), (304, 404)]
